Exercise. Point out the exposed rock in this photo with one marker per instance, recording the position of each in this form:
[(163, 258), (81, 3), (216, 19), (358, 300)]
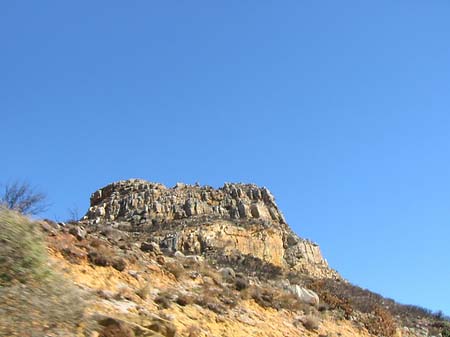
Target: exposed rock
[(138, 199), (78, 231), (305, 295), (227, 273), (150, 247), (200, 220), (179, 255)]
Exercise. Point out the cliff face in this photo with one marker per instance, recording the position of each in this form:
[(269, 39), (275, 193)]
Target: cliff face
[(227, 223)]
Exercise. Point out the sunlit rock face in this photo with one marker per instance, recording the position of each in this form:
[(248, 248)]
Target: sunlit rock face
[(234, 219)]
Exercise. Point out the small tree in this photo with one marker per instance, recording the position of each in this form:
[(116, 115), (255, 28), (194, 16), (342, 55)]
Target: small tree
[(446, 332), (22, 197)]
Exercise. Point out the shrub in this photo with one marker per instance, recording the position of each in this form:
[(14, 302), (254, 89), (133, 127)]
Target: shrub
[(331, 298), (213, 298), (104, 256), (116, 328), (175, 268), (184, 299), (311, 323), (380, 323), (34, 300), (164, 327), (193, 331), (446, 332), (22, 251), (164, 299), (144, 291), (241, 283)]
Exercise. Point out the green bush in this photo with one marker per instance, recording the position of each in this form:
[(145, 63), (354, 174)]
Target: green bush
[(34, 300), (22, 251), (446, 332)]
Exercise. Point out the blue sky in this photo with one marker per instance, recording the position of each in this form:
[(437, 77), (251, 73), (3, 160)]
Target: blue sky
[(340, 108)]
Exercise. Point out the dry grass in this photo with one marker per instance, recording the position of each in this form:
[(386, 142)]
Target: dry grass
[(143, 291)]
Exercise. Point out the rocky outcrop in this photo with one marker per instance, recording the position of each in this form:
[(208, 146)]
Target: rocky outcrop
[(234, 219), (139, 201)]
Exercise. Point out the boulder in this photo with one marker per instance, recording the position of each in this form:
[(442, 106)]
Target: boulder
[(227, 273), (78, 231), (305, 295), (150, 247)]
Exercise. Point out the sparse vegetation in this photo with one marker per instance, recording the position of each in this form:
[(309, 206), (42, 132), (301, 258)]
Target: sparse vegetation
[(165, 299), (176, 269), (104, 256), (144, 291), (380, 323), (164, 327), (271, 297), (22, 251), (22, 197)]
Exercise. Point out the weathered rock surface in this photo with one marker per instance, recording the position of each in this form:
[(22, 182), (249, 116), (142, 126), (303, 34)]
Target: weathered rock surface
[(138, 201), (200, 220), (305, 295)]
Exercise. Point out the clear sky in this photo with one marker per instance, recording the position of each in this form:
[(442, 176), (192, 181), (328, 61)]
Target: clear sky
[(340, 108)]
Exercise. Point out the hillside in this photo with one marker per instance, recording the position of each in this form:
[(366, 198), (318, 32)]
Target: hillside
[(147, 260)]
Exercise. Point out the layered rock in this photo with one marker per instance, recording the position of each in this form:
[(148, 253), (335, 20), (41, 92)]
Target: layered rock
[(234, 219), (138, 201)]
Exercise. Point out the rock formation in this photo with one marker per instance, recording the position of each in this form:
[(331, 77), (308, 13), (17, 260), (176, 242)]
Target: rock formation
[(229, 223)]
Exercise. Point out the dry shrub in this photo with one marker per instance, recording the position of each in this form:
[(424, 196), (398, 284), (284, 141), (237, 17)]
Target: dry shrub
[(193, 331), (310, 322), (125, 293), (184, 299), (144, 291), (114, 328), (343, 295), (164, 327), (165, 299), (330, 298), (380, 323), (176, 269), (206, 271), (241, 283), (119, 263), (105, 256), (212, 298), (95, 242)]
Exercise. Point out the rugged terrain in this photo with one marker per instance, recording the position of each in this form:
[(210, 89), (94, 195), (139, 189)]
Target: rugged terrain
[(147, 260)]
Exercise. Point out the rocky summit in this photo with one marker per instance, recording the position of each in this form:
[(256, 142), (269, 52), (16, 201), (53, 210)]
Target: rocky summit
[(233, 222)]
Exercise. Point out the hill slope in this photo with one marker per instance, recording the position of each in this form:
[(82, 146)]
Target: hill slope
[(198, 261)]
